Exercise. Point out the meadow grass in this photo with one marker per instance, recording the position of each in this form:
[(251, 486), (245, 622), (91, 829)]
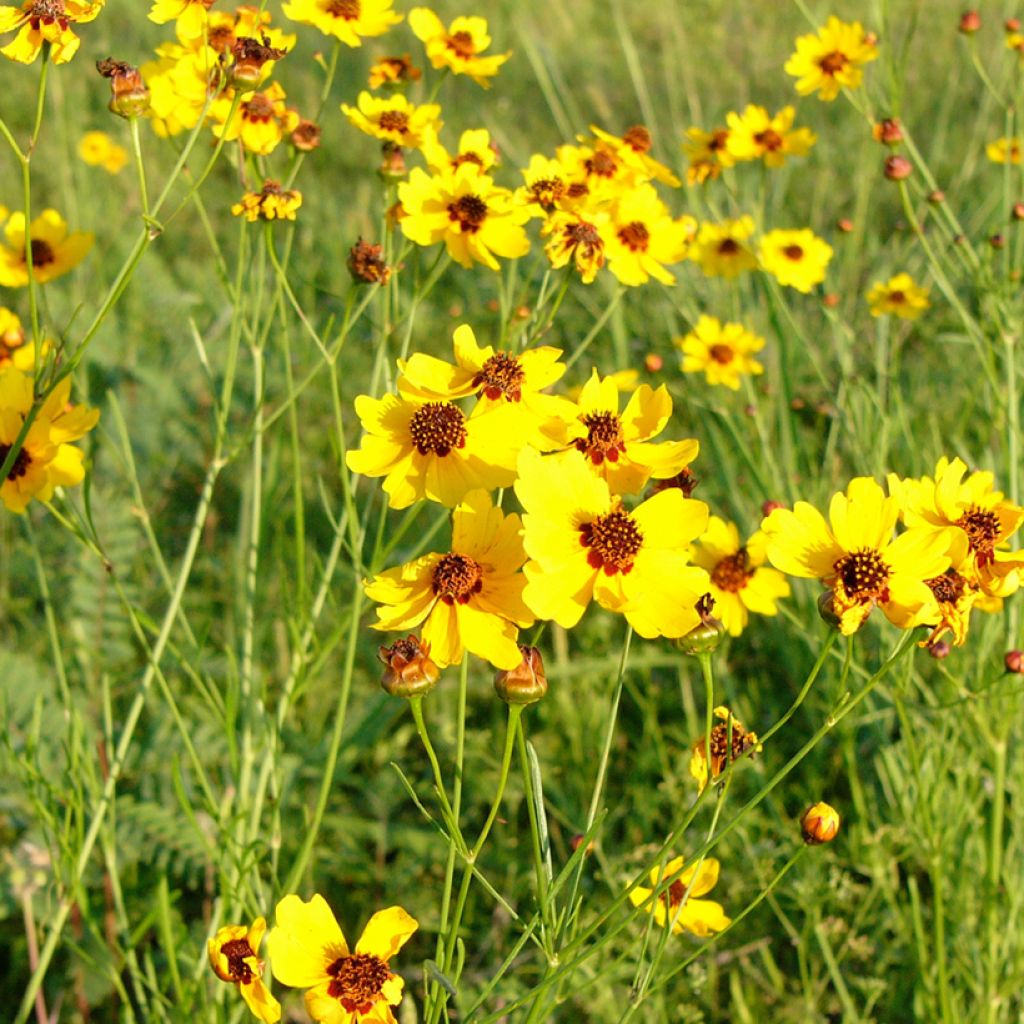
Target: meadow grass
[(188, 680)]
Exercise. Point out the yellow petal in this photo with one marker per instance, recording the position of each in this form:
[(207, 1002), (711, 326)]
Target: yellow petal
[(386, 932), (305, 942)]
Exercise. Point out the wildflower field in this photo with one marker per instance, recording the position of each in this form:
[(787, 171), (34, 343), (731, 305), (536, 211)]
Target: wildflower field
[(511, 514)]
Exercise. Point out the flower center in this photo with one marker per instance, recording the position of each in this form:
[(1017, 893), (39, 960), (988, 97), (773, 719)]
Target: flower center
[(457, 578), (721, 353), (42, 253), (21, 462), (501, 375), (638, 138), (469, 211), (728, 247), (614, 540), (770, 139), (220, 38), (732, 574), (949, 587), (237, 950), (674, 895), (347, 9), (547, 192), (982, 529), (604, 437), (356, 981), (48, 12), (832, 63), (635, 236), (259, 108), (467, 158), (897, 297), (438, 427), (793, 252), (394, 121), (722, 750), (584, 234), (864, 575), (461, 43), (601, 164)]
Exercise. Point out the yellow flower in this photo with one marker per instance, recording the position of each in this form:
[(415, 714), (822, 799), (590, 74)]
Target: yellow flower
[(857, 557), (583, 545), (271, 203), (678, 904), (707, 153), (632, 149), (597, 173), (232, 954), (45, 21), (643, 237), (54, 251), (308, 950), (189, 15), (179, 82), (722, 351), (899, 296), (740, 580), (347, 20), (578, 236), (474, 218), (470, 599), (393, 71), (729, 742), (261, 121), (796, 258), (756, 135), (832, 59), (393, 119), (1004, 151), (458, 47), (474, 148), (46, 460), (98, 149), (720, 249), (431, 450), (955, 595)]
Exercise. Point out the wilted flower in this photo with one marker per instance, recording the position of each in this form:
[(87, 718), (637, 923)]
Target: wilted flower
[(729, 742), (408, 671), (271, 203), (524, 684), (129, 96), (232, 955), (366, 264)]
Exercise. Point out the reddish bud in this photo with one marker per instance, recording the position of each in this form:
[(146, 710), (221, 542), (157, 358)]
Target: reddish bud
[(366, 264), (970, 22), (1012, 24), (937, 196), (819, 824), (845, 225), (129, 96), (888, 131), (653, 362), (769, 506), (830, 300), (997, 241), (306, 136), (940, 649), (408, 672), (1014, 662)]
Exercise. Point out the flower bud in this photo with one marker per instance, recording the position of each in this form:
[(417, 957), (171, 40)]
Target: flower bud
[(392, 165), (1014, 662), (845, 225), (705, 637), (683, 481), (769, 506), (970, 22), (366, 264), (408, 672), (888, 132), (524, 684), (997, 241), (827, 609), (939, 649), (1012, 24), (129, 96), (830, 300), (898, 168), (1018, 211), (819, 824), (305, 136), (653, 362), (249, 57), (936, 196)]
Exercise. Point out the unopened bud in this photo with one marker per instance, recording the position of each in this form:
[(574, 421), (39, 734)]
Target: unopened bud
[(1014, 662), (997, 241), (366, 264), (392, 165), (936, 196), (684, 481), (970, 22), (577, 841), (769, 506), (305, 136), (129, 96), (819, 824), (939, 649), (1012, 24), (408, 671), (888, 131), (1018, 211), (897, 168), (524, 684), (845, 225), (707, 635), (830, 300), (827, 609), (653, 362)]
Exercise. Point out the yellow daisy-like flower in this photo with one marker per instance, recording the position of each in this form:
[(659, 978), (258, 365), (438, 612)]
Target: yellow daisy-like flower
[(189, 15), (347, 20), (458, 47), (619, 448), (98, 149), (308, 950), (633, 148), (584, 545), (54, 251), (679, 905), (707, 153), (597, 173), (178, 83), (474, 218), (45, 21), (729, 742), (796, 258), (721, 250), (470, 599), (46, 460), (578, 236), (899, 296), (1004, 151), (393, 71), (261, 121), (740, 581), (857, 557), (432, 450), (271, 203), (756, 135), (831, 59), (644, 237), (546, 188), (724, 352), (393, 118), (475, 147), (232, 954)]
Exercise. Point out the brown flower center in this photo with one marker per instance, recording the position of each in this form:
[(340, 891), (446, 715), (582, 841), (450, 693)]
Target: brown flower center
[(635, 236), (469, 212), (602, 164), (48, 12), (732, 573), (42, 253), (221, 38), (501, 375), (728, 247), (832, 63), (583, 234), (547, 191), (259, 108), (721, 353), (614, 540), (347, 9), (461, 43), (793, 252), (356, 981), (770, 139), (982, 528), (604, 437), (724, 751), (897, 297), (394, 121), (457, 578), (719, 140), (674, 895), (638, 138), (864, 575), (438, 427), (236, 951), (948, 588), (21, 462)]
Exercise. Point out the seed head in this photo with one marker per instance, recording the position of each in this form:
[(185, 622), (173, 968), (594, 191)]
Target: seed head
[(408, 671)]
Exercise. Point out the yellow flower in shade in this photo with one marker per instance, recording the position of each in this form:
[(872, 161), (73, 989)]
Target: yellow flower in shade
[(740, 581), (679, 905), (579, 237), (729, 742), (496, 378), (857, 557), (98, 149), (393, 71), (46, 460), (475, 147), (470, 599), (308, 950), (831, 59), (898, 296), (393, 119), (458, 47), (261, 121), (643, 237), (632, 149), (724, 352), (584, 545), (619, 448), (45, 21), (474, 218), (271, 203), (795, 258), (432, 450), (1004, 151), (707, 153), (54, 251), (756, 135), (347, 20), (721, 250), (232, 954)]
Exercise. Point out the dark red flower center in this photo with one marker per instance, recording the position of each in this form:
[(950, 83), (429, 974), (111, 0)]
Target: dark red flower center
[(356, 981), (469, 212), (733, 572), (614, 540), (236, 951), (457, 578), (864, 575), (500, 375), (438, 427)]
